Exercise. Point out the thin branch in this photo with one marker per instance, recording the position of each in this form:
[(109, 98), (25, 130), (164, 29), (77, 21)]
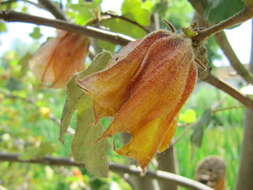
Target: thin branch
[(111, 16), (54, 10), (160, 175), (224, 44), (90, 31), (238, 18), (214, 81), (227, 108)]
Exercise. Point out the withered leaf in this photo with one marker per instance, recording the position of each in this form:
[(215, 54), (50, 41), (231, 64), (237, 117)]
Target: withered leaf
[(85, 147), (74, 94)]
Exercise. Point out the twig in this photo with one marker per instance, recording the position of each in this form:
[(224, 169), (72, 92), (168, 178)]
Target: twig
[(214, 81), (160, 175), (224, 44), (111, 15), (238, 18), (54, 10), (227, 108), (86, 30)]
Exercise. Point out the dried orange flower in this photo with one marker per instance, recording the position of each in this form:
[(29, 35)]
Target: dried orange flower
[(144, 88), (56, 62)]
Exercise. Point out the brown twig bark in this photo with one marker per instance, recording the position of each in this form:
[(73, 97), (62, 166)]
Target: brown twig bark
[(224, 44), (160, 175), (238, 18), (90, 31), (214, 81), (109, 15)]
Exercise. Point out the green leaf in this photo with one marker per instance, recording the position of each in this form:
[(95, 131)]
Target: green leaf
[(124, 27), (35, 34), (138, 11), (13, 84), (24, 62), (74, 93), (85, 149), (81, 13), (199, 127), (106, 45), (218, 10)]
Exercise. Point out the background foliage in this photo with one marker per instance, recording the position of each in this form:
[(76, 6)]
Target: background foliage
[(29, 114)]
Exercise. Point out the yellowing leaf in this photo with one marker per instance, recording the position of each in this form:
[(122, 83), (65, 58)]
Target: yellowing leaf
[(85, 147)]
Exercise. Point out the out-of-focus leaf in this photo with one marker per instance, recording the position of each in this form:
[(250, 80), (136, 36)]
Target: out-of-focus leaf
[(13, 84), (35, 34), (24, 62), (188, 116), (248, 2), (199, 127), (124, 27), (44, 149), (83, 12), (57, 61), (106, 45), (138, 11), (85, 149), (74, 93), (3, 27), (218, 10)]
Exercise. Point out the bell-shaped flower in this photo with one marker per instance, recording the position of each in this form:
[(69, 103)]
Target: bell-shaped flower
[(55, 63), (144, 90)]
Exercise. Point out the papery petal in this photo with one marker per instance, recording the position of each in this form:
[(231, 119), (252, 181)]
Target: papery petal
[(60, 58), (171, 129), (144, 141), (158, 89), (191, 80), (110, 87)]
